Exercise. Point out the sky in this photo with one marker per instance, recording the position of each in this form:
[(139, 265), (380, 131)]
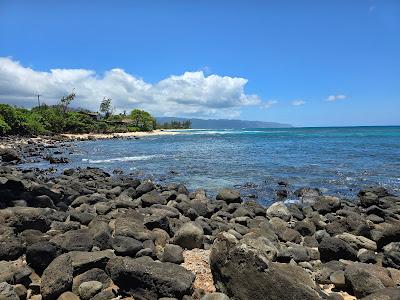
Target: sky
[(306, 63)]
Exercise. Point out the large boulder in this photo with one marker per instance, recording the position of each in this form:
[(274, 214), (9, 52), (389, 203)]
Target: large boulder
[(362, 282), (11, 248), (331, 248), (9, 155), (57, 277), (391, 255), (83, 261), (384, 294), (242, 272), (153, 279), (23, 218), (357, 241), (39, 255), (229, 195), (279, 209), (91, 275), (153, 197), (14, 272), (75, 240), (7, 292), (132, 226), (189, 236), (327, 204), (126, 246), (173, 254), (144, 187)]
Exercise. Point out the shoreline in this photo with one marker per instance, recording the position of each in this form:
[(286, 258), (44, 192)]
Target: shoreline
[(103, 136), (85, 226)]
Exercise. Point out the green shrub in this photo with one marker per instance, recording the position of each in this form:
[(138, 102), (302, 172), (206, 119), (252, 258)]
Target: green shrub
[(4, 127), (52, 117), (21, 121)]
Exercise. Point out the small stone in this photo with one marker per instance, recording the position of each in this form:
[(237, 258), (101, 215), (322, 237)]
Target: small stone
[(189, 236), (215, 296), (279, 209), (89, 288), (229, 195), (68, 296), (7, 292), (173, 254)]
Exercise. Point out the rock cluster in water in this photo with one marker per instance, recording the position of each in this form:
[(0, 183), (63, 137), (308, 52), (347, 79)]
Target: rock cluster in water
[(88, 235)]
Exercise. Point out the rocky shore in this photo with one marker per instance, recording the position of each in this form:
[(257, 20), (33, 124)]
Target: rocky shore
[(85, 234)]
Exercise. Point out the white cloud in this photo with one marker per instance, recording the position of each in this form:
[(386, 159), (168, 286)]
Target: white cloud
[(333, 98), (298, 102), (191, 93), (268, 104)]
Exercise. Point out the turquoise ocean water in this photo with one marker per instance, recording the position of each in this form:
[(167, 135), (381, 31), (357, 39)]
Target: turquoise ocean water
[(338, 160)]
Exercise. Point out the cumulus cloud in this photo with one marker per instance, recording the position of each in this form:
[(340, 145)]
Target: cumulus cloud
[(333, 98), (298, 102), (268, 104), (190, 94)]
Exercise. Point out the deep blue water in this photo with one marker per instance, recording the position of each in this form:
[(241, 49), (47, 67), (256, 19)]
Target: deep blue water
[(337, 160)]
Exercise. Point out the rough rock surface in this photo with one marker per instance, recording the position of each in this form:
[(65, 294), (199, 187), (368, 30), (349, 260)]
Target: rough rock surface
[(153, 278), (116, 236)]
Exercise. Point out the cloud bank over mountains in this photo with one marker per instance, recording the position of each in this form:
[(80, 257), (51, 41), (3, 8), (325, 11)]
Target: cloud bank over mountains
[(191, 94)]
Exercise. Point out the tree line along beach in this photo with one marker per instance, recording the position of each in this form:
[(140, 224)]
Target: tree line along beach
[(88, 234)]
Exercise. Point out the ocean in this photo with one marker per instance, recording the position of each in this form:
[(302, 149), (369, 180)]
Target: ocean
[(338, 160)]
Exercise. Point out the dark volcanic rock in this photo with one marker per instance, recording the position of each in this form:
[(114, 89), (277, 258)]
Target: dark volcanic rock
[(14, 272), (384, 294), (327, 204), (391, 255), (305, 227), (173, 254), (23, 218), (144, 188), (229, 196), (124, 245), (241, 272), (83, 261), (153, 197), (76, 240), (7, 292), (11, 248), (331, 248), (57, 277), (189, 236), (41, 254), (91, 275), (132, 226), (9, 155), (155, 279), (361, 281)]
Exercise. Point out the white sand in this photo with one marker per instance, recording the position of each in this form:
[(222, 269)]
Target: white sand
[(86, 136)]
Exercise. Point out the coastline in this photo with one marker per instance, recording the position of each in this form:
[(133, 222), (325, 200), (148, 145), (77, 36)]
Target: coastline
[(103, 136), (86, 227)]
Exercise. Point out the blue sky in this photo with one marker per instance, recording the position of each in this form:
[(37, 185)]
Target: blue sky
[(243, 59)]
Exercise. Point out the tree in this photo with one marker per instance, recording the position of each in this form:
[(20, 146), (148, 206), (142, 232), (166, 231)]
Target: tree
[(142, 120), (66, 101), (105, 107)]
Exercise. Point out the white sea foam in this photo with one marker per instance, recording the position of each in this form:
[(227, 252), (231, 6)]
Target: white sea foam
[(122, 159)]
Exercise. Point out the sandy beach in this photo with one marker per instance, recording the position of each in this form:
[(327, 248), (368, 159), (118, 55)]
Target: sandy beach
[(89, 136)]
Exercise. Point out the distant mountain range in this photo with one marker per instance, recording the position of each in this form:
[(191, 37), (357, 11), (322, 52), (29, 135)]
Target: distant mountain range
[(223, 123)]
